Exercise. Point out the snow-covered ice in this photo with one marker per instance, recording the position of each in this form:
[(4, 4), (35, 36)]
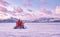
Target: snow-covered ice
[(32, 30)]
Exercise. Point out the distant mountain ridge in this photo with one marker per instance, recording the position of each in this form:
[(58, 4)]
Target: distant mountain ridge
[(40, 20)]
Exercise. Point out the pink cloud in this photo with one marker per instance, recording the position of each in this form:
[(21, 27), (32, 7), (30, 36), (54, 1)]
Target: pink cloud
[(17, 9), (3, 3), (43, 1), (3, 9), (27, 3), (57, 10)]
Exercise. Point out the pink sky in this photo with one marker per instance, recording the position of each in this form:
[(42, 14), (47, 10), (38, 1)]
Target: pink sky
[(43, 1), (25, 14)]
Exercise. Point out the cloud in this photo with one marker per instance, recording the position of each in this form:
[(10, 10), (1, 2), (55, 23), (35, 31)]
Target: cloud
[(4, 15), (53, 13), (3, 9), (45, 11), (27, 3), (17, 9), (43, 1), (3, 3), (57, 10), (25, 14)]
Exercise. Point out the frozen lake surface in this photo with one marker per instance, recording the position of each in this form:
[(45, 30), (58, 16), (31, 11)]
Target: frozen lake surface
[(32, 30)]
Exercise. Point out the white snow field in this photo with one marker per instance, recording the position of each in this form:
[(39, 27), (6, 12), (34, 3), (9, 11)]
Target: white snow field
[(32, 30)]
